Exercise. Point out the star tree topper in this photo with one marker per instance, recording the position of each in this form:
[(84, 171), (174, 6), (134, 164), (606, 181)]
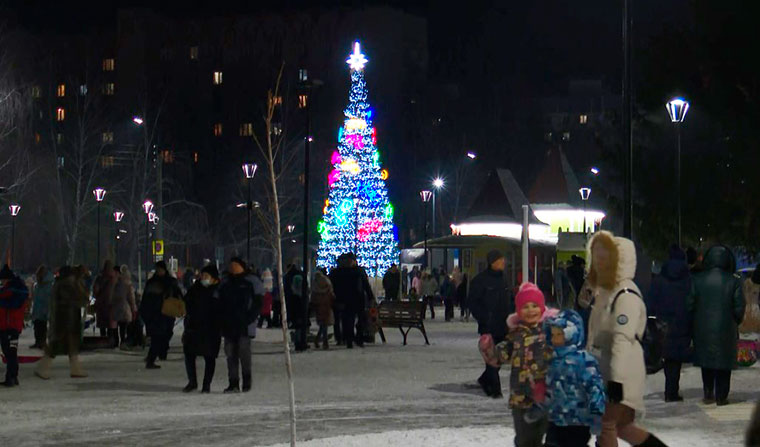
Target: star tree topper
[(357, 60)]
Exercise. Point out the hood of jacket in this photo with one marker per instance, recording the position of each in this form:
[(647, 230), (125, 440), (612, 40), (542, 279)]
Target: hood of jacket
[(322, 283), (571, 324), (720, 257), (622, 265), (675, 269), (513, 320)]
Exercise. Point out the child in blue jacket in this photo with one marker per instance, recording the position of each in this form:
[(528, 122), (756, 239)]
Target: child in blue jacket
[(575, 397)]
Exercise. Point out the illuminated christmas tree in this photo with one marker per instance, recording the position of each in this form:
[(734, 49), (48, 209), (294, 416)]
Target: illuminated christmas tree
[(357, 215)]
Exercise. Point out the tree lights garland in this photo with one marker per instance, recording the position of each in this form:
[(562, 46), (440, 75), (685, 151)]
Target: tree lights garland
[(358, 216)]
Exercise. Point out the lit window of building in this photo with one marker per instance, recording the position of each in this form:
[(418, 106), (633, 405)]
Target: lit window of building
[(83, 89), (566, 136), (60, 114), (276, 129), (217, 78), (195, 157), (194, 53), (109, 64), (276, 100), (107, 137), (59, 138), (583, 119), (167, 156), (37, 138), (218, 129), (246, 129), (302, 101), (60, 91), (107, 161), (36, 92), (109, 88), (61, 162)]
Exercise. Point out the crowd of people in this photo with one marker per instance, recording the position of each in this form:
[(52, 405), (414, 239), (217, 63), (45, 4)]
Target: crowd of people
[(580, 369)]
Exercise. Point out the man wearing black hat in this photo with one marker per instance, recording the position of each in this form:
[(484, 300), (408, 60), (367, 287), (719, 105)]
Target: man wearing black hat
[(352, 292), (13, 295), (240, 307), (491, 302), (159, 327)]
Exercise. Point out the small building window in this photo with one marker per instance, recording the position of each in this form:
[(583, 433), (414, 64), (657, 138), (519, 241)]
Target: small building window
[(59, 138), (583, 119), (167, 156), (217, 78), (83, 89), (109, 88), (276, 101), (107, 137), (61, 161), (246, 129), (60, 91), (303, 101), (566, 136), (37, 138), (194, 53), (277, 129), (60, 114), (107, 161), (218, 129), (195, 157), (109, 64), (36, 91)]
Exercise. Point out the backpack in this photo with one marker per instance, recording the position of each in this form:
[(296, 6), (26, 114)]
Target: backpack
[(653, 340)]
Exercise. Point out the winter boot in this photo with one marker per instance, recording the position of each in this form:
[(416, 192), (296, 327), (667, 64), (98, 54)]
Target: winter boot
[(233, 388), (75, 367), (43, 368), (325, 346), (191, 386), (652, 441), (246, 383), (10, 382)]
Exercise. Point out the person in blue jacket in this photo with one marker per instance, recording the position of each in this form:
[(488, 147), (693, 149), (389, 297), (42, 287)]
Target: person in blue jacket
[(575, 396)]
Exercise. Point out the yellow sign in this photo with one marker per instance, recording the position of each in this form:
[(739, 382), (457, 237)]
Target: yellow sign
[(158, 248)]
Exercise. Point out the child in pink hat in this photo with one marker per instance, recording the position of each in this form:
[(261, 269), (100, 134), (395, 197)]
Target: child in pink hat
[(527, 351)]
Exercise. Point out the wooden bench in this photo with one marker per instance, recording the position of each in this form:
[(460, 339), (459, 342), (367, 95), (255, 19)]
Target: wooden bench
[(401, 314)]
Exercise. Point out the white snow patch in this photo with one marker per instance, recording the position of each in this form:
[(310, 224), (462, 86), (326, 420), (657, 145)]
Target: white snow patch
[(467, 437)]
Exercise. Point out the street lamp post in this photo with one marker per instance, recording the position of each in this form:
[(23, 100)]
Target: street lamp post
[(304, 102), (148, 209), (426, 196), (117, 217), (249, 170), (585, 194), (99, 194), (677, 108), (14, 209), (437, 185)]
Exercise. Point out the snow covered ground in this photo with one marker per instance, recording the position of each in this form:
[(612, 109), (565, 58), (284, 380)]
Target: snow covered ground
[(380, 395)]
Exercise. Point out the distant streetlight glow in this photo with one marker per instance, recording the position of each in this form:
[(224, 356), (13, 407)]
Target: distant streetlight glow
[(677, 108), (595, 171), (438, 183), (471, 155), (99, 194), (118, 216), (147, 206), (137, 120)]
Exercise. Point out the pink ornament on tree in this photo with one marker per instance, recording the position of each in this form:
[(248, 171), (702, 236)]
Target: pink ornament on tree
[(336, 158), (333, 177)]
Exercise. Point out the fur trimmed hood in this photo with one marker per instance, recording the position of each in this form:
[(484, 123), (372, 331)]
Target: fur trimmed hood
[(513, 320), (622, 257)]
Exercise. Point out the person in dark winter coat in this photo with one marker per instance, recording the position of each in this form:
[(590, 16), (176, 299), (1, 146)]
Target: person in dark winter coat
[(464, 310), (297, 304), (717, 303), (322, 298), (491, 303), (43, 288), (159, 327), (667, 301), (69, 296), (203, 335), (352, 292), (13, 297), (240, 307), (392, 283), (102, 290)]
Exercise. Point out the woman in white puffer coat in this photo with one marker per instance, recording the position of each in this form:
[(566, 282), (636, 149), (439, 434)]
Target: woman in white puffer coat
[(617, 322)]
